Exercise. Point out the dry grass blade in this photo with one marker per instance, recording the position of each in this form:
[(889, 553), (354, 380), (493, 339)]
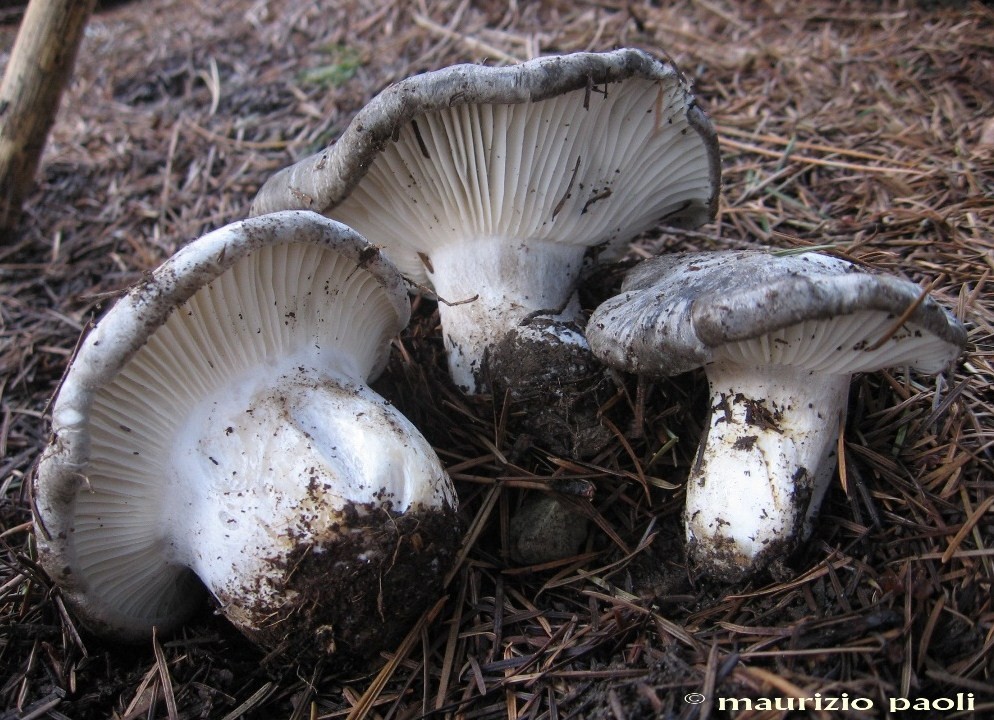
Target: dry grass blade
[(816, 147), (838, 164), (968, 526), (165, 679), (472, 44), (142, 699), (250, 703), (369, 698), (450, 648), (42, 708), (901, 319)]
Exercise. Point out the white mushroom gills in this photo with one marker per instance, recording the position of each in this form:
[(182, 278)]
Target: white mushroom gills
[(494, 206), (240, 433)]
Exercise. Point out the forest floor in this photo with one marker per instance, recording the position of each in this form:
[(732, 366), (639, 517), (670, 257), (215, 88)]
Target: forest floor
[(865, 127)]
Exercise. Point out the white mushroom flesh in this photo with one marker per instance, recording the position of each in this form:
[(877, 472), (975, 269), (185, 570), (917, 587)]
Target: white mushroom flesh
[(486, 293), (289, 457), (766, 461)]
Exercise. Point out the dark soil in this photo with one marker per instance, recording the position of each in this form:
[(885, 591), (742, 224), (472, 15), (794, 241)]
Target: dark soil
[(352, 599), (554, 389)]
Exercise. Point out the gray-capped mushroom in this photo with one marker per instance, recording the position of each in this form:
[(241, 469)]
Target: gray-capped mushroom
[(216, 429), (491, 184), (779, 337)]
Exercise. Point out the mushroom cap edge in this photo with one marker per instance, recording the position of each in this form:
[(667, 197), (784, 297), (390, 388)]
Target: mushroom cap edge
[(304, 186)]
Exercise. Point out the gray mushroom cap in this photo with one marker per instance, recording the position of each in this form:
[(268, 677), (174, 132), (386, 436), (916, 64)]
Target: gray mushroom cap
[(682, 311), (779, 337)]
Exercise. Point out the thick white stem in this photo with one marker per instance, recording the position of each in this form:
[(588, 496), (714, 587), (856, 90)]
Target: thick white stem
[(765, 463), (273, 470), (487, 286)]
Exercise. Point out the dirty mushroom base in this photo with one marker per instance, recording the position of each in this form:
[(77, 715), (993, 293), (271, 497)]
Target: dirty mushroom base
[(360, 594), (721, 560), (555, 384)]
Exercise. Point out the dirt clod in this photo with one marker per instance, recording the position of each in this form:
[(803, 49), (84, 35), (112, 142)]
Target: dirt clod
[(856, 127), (555, 387), (350, 599)]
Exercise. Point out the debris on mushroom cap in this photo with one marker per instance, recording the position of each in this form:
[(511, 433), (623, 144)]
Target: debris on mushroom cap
[(779, 337), (216, 423), (490, 184)]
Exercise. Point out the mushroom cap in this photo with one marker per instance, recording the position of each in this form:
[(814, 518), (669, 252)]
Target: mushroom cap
[(587, 148), (812, 311), (273, 292)]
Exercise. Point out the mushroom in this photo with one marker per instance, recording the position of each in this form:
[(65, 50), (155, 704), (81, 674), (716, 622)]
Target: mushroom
[(492, 184), (779, 337), (216, 429)]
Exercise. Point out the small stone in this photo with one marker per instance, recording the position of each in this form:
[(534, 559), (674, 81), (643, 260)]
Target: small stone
[(545, 529)]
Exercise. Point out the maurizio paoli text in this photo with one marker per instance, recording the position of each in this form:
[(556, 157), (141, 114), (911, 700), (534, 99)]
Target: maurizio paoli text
[(843, 702)]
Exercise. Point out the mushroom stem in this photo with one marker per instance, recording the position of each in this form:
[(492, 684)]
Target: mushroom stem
[(764, 465), (489, 286), (347, 461)]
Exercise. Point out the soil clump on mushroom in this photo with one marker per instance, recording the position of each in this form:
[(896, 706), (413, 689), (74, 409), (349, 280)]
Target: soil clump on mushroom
[(360, 594), (556, 389)]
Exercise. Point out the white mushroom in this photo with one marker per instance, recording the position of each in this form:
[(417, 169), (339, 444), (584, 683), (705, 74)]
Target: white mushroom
[(491, 184), (779, 338), (216, 424)]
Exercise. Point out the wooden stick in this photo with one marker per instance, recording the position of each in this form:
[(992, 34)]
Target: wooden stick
[(40, 65)]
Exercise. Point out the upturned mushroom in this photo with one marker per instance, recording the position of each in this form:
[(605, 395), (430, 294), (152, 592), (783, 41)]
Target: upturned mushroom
[(216, 429), (779, 337), (492, 184)]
